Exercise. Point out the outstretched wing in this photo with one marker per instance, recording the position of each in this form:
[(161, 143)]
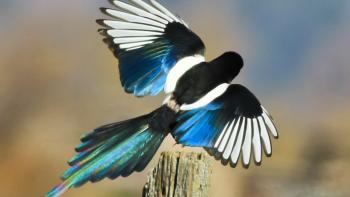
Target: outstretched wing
[(149, 41), (234, 124)]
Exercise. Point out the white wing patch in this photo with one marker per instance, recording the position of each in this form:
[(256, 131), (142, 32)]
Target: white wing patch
[(131, 26), (268, 120), (132, 33), (133, 18), (136, 44), (132, 39), (137, 23), (265, 136), (244, 136), (247, 144), (238, 145), (152, 10), (228, 131), (134, 48), (231, 141), (217, 143), (164, 10), (256, 141), (139, 11)]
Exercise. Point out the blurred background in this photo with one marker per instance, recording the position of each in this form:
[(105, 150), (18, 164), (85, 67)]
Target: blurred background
[(59, 81)]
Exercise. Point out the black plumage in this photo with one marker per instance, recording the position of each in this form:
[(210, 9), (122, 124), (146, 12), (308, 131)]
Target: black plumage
[(158, 51), (185, 42), (204, 77)]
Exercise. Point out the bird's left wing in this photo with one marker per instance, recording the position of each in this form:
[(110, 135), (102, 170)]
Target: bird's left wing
[(233, 125), (149, 41)]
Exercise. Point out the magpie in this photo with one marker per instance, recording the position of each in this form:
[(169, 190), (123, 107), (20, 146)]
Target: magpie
[(158, 52)]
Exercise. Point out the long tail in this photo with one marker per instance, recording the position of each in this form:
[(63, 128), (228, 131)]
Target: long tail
[(111, 151)]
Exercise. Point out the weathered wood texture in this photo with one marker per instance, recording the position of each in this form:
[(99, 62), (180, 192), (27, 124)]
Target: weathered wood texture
[(180, 174)]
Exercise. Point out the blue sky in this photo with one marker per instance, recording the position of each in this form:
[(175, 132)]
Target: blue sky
[(288, 30), (285, 33)]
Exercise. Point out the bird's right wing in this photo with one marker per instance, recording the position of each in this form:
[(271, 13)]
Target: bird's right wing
[(149, 41), (233, 124)]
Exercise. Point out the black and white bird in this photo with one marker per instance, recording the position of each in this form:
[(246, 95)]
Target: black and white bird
[(158, 52)]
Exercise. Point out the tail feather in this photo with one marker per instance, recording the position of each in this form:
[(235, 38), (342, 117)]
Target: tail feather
[(136, 159), (98, 148), (144, 157), (79, 157), (85, 159), (101, 134), (147, 156), (111, 151), (131, 149)]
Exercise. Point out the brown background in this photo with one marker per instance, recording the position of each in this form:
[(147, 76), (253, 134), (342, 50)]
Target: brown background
[(58, 81)]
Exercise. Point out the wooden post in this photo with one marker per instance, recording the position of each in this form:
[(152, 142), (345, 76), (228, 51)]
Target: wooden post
[(180, 174)]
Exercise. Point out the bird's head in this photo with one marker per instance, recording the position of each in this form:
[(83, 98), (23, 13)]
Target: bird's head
[(228, 66)]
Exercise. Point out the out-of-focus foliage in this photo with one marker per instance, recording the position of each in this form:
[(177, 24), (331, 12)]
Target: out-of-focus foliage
[(58, 81)]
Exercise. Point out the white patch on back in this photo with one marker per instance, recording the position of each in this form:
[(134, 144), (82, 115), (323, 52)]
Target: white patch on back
[(179, 69), (208, 98)]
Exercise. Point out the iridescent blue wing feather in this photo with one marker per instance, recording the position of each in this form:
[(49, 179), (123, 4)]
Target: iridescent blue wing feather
[(233, 125), (148, 41)]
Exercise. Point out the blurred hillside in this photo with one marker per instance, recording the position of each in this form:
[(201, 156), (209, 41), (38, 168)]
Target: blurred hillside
[(58, 81)]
